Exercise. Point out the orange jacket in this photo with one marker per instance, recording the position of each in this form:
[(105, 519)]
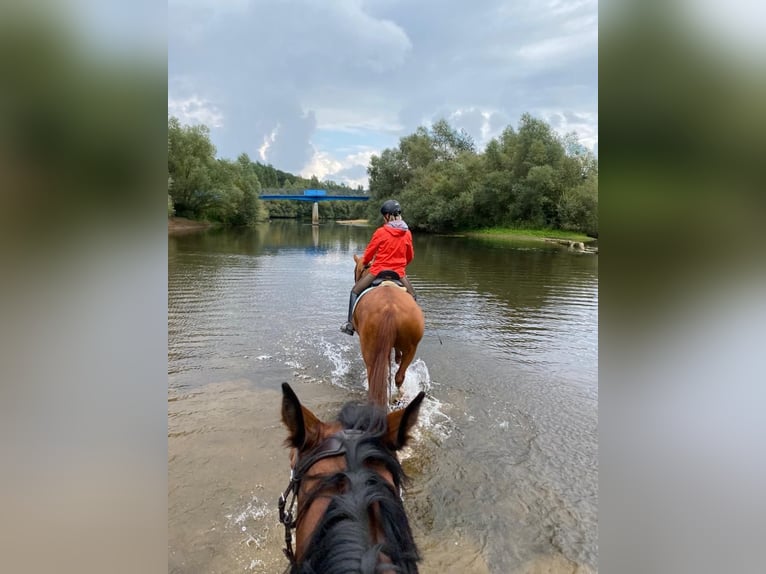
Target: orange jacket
[(391, 247)]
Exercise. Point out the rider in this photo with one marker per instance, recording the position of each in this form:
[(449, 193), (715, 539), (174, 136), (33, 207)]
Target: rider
[(389, 249)]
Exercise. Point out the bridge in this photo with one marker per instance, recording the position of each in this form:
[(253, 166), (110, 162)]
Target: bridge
[(315, 195)]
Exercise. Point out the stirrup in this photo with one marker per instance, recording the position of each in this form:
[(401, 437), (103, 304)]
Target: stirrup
[(348, 329)]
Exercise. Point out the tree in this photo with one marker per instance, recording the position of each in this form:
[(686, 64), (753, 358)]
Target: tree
[(450, 143), (536, 144), (578, 208), (171, 208), (249, 209), (529, 177), (191, 157), (388, 175)]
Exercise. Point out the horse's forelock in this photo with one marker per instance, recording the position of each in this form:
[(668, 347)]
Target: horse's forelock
[(369, 418), (342, 541)]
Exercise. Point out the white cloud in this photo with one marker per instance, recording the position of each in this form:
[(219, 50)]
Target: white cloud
[(354, 120), (474, 122), (320, 165), (568, 6), (583, 123), (195, 110), (267, 142), (561, 47), (223, 5), (345, 169), (302, 84)]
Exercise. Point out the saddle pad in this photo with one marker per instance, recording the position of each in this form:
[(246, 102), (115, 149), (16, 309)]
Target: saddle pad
[(392, 284), (384, 283)]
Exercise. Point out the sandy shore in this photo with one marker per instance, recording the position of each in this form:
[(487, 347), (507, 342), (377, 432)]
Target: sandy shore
[(352, 221), (182, 225)]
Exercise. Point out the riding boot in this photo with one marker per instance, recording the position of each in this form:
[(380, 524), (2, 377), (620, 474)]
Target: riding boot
[(348, 328)]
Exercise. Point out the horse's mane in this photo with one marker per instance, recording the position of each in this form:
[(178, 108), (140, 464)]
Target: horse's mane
[(342, 541)]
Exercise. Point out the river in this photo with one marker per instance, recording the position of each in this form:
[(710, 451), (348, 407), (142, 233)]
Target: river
[(504, 466)]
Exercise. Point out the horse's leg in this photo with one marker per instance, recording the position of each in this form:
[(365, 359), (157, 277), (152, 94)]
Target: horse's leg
[(406, 358)]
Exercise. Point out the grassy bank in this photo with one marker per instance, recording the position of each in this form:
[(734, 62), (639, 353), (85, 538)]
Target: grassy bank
[(539, 234)]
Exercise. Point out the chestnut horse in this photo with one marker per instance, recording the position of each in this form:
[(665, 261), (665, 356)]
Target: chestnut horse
[(347, 481), (386, 317)]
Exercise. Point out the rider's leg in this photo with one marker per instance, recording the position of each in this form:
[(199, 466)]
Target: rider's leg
[(363, 283), (348, 327), (405, 280), (360, 286)]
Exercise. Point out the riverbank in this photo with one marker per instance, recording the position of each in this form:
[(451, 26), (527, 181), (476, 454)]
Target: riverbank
[(574, 241), (357, 222), (538, 234), (550, 235), (183, 225)]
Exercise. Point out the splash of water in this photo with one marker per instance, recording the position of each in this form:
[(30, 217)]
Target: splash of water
[(431, 418), (417, 379), (341, 365), (254, 510)]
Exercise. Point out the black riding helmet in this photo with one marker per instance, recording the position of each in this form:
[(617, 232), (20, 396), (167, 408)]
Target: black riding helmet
[(391, 207)]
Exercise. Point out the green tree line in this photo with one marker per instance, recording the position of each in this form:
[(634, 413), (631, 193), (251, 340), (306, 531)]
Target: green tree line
[(528, 178), (203, 187)]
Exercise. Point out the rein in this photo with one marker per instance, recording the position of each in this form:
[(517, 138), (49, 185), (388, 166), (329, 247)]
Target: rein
[(334, 445)]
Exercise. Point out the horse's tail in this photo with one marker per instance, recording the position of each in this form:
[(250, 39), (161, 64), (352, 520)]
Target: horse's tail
[(384, 342)]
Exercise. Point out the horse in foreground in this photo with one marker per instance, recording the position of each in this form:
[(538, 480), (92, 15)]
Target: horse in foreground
[(386, 317), (347, 481)]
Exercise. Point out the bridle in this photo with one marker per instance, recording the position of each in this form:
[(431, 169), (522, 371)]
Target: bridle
[(333, 445)]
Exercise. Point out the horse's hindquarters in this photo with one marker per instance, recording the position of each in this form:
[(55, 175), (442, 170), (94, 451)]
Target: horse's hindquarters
[(387, 318)]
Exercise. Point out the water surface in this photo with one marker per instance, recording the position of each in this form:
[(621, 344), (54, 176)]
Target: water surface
[(504, 466)]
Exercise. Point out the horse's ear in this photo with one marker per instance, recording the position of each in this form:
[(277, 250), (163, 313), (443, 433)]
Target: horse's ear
[(401, 422), (300, 422), (356, 258)]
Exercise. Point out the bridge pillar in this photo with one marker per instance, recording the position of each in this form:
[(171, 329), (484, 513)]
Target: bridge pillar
[(315, 214)]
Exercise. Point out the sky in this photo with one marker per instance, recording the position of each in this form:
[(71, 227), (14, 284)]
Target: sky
[(316, 87)]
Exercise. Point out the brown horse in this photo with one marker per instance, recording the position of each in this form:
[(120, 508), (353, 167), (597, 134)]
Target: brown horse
[(347, 481), (386, 317)]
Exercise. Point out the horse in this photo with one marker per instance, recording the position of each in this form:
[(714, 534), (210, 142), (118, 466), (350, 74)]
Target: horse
[(386, 317), (347, 481)]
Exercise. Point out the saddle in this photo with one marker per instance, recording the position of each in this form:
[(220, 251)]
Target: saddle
[(387, 275), (384, 277)]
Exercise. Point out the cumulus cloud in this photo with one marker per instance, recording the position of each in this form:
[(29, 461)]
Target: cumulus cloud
[(291, 145), (350, 169), (195, 110), (283, 79), (558, 48), (583, 124)]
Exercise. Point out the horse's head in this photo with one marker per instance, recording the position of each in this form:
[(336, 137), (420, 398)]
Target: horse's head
[(359, 270), (346, 478)]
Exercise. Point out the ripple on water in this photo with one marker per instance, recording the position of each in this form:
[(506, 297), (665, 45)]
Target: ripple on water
[(504, 461)]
